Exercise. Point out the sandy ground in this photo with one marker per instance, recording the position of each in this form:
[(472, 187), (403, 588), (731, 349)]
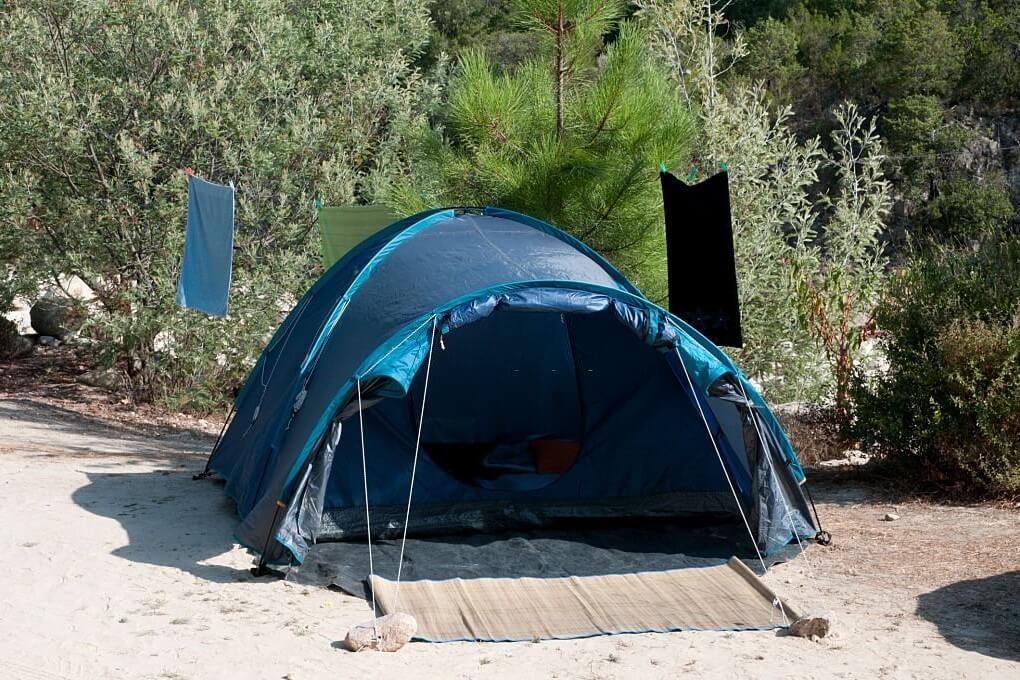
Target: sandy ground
[(117, 565)]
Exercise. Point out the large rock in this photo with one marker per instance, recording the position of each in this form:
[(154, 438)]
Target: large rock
[(385, 634), (20, 314), (106, 378), (1007, 133), (980, 154), (60, 311), (56, 316), (794, 409)]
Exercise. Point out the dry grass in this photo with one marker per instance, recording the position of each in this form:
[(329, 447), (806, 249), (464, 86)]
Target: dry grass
[(932, 543), (50, 375), (813, 434)]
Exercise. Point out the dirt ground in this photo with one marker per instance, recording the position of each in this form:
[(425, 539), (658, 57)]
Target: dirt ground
[(117, 565)]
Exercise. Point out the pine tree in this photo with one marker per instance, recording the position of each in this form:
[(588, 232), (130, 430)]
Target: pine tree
[(574, 135)]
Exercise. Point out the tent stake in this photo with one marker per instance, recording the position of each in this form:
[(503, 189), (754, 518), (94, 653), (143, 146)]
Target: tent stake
[(822, 537)]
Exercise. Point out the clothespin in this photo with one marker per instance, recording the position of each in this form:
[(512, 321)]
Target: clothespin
[(662, 167), (692, 174), (724, 167), (318, 203), (189, 172)]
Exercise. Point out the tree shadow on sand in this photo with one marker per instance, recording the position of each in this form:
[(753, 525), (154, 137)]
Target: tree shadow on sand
[(38, 426), (170, 519), (979, 615)]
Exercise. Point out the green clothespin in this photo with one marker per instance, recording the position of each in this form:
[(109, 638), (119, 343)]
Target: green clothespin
[(724, 167), (692, 174), (662, 167), (318, 203)]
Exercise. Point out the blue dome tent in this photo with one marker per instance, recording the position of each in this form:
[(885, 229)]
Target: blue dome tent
[(491, 372)]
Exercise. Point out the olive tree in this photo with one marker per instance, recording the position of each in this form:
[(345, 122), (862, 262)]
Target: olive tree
[(102, 103), (808, 219)]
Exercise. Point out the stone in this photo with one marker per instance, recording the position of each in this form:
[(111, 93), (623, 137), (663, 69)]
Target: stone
[(60, 310), (107, 378), (165, 342), (793, 409), (811, 627), (385, 634), (48, 341), (850, 458), (20, 314), (55, 316), (890, 517)]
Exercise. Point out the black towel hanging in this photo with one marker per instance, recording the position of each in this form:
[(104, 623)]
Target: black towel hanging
[(700, 261)]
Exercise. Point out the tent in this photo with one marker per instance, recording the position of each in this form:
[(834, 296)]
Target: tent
[(516, 379)]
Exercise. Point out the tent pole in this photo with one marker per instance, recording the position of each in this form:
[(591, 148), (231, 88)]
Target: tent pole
[(260, 569), (219, 438)]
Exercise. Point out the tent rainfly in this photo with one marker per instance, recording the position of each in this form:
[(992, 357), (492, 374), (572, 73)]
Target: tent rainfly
[(508, 377)]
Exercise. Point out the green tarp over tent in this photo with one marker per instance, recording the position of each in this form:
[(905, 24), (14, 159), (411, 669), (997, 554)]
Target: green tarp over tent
[(343, 227)]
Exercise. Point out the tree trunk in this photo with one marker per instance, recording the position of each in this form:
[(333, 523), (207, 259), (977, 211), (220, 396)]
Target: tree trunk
[(558, 84)]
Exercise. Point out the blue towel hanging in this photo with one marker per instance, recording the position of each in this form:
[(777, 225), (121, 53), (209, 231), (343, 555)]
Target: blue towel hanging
[(208, 248)]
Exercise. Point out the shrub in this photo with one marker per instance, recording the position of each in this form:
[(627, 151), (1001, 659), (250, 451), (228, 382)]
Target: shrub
[(809, 257), (991, 73), (838, 283), (966, 210), (11, 343), (102, 104), (772, 58), (922, 140), (948, 408), (917, 51)]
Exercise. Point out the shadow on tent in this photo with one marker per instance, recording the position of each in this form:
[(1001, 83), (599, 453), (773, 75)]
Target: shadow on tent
[(170, 520), (978, 615)]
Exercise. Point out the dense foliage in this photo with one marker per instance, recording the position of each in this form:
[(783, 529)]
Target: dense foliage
[(882, 50), (809, 258), (966, 211), (948, 409), (105, 102), (928, 67)]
